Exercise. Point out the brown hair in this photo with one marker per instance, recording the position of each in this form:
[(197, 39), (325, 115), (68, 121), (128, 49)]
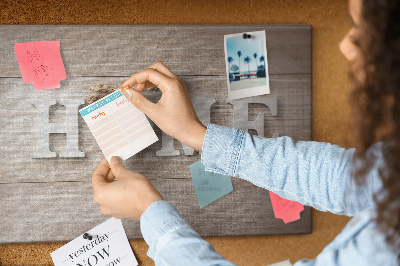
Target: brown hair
[(375, 103)]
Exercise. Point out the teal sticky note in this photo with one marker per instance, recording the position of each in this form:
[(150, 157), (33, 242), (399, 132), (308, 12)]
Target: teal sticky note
[(209, 186)]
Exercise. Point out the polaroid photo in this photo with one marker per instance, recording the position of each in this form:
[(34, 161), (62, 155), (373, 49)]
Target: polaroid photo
[(246, 64)]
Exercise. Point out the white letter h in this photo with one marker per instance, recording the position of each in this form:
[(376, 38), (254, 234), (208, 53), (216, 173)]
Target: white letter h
[(69, 127)]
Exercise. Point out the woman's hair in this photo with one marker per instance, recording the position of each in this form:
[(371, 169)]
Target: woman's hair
[(375, 103)]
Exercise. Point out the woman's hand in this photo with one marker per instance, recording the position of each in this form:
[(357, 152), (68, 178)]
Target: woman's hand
[(174, 113), (128, 197)]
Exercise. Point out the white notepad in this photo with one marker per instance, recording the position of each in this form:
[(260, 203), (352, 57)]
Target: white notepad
[(118, 126)]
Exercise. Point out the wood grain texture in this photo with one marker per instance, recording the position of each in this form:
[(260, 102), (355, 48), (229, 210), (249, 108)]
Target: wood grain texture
[(19, 139), (189, 50), (56, 193), (57, 211)]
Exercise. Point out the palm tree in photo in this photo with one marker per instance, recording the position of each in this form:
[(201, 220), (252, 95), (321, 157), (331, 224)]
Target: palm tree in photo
[(234, 68), (239, 54), (262, 59), (230, 60), (255, 57), (247, 60)]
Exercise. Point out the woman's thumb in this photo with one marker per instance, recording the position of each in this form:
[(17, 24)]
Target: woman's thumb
[(117, 167)]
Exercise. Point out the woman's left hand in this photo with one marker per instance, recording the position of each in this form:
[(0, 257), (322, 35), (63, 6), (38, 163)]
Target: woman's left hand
[(128, 197)]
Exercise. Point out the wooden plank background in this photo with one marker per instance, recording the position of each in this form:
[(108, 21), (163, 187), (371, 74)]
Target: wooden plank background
[(51, 199)]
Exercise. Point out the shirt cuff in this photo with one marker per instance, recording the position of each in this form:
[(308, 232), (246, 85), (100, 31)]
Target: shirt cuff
[(158, 219), (222, 148)]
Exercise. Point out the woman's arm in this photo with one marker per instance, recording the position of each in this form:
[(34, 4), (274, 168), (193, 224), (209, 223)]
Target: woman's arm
[(315, 174), (312, 173), (170, 238), (172, 241)]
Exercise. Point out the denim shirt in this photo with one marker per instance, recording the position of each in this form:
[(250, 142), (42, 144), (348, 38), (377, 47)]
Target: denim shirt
[(312, 173)]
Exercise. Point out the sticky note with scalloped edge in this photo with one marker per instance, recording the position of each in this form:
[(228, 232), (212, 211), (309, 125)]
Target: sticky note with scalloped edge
[(209, 186), (41, 63), (287, 210)]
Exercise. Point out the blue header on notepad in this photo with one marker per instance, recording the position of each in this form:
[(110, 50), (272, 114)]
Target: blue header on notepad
[(96, 105)]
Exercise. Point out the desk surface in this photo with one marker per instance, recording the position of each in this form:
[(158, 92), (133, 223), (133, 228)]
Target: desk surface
[(330, 117)]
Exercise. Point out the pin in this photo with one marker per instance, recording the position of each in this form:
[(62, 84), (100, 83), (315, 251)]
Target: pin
[(88, 236), (246, 36)]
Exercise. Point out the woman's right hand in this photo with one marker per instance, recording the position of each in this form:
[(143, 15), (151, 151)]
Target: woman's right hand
[(174, 112)]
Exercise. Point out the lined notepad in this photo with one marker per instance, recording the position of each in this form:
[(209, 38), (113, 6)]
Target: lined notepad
[(118, 126)]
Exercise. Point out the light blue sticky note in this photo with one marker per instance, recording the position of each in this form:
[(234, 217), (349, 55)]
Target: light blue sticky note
[(209, 186)]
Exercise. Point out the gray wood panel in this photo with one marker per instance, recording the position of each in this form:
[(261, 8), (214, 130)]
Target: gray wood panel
[(60, 211), (51, 199), (19, 127), (187, 50)]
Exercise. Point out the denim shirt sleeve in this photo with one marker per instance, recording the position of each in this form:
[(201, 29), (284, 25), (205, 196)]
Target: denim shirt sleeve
[(312, 173), (172, 241)]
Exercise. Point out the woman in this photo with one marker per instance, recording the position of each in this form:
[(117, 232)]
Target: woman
[(317, 174)]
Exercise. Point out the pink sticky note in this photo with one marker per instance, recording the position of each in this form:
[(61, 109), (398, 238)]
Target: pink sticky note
[(41, 63), (284, 209)]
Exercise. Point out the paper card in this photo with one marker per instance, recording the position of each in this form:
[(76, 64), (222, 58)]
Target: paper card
[(41, 63), (209, 186), (118, 126), (246, 64), (287, 210), (109, 246)]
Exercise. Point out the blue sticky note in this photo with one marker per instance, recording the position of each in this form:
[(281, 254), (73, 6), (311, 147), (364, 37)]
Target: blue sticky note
[(209, 186)]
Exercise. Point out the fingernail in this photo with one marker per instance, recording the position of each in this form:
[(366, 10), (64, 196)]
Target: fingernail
[(115, 160), (124, 88), (129, 92)]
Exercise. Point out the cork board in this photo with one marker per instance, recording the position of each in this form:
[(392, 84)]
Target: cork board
[(330, 22), (51, 152)]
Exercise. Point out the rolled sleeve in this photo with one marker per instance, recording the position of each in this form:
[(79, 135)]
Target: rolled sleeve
[(221, 149)]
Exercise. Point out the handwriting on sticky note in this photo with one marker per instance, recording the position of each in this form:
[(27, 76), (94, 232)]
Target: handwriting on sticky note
[(284, 209), (209, 186), (41, 63), (108, 246), (118, 126)]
